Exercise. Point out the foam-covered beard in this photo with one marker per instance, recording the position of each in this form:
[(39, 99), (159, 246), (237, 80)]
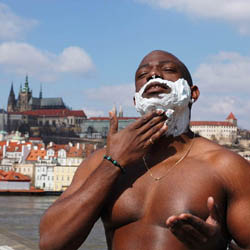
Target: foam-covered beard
[(175, 104)]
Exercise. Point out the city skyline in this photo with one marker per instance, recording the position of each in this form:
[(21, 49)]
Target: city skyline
[(87, 53)]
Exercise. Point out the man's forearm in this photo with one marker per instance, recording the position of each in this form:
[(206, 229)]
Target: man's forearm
[(67, 223)]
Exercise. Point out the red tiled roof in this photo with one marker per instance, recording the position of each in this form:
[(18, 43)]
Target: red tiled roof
[(16, 147), (53, 112), (75, 152), (12, 176), (211, 123), (34, 154), (56, 147), (77, 113), (231, 117)]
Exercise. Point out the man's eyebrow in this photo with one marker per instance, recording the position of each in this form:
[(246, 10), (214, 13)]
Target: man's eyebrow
[(168, 61), (160, 63), (143, 66)]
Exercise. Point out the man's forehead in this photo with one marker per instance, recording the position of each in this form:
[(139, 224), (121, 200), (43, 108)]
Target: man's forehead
[(158, 56)]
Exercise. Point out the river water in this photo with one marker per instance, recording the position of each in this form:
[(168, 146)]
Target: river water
[(21, 215)]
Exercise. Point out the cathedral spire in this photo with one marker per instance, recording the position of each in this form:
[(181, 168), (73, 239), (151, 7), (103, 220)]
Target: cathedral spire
[(11, 100), (12, 90), (41, 93), (26, 85)]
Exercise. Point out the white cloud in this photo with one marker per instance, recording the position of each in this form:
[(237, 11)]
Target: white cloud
[(236, 12), (12, 26), (226, 72), (22, 58), (224, 83), (110, 95), (74, 59)]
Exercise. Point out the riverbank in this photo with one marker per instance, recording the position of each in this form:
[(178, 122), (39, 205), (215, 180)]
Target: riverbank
[(20, 216), (12, 241)]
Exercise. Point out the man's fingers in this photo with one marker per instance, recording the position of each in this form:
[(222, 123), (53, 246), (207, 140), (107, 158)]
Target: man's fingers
[(155, 133), (113, 121), (146, 118), (197, 223), (185, 232)]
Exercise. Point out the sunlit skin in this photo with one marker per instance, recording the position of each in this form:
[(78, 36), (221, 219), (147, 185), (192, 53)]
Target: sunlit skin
[(201, 203)]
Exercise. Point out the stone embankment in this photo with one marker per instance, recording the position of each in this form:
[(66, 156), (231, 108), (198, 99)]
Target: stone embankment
[(11, 241)]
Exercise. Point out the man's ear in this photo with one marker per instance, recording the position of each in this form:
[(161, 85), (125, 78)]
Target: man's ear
[(134, 100), (195, 92)]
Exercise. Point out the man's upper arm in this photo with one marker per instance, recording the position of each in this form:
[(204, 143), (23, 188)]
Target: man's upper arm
[(238, 207), (83, 172)]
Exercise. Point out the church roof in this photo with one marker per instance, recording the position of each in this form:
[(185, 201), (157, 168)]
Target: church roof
[(45, 102), (34, 101)]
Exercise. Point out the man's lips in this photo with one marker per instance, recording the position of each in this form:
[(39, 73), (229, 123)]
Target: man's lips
[(156, 88)]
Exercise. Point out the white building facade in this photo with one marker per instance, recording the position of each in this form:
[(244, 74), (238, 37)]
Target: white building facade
[(222, 131), (44, 175)]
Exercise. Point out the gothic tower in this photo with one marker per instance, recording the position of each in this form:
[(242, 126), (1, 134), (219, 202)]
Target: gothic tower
[(41, 93), (11, 106), (24, 96)]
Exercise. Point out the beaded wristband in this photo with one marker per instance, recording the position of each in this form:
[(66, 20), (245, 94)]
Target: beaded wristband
[(114, 163)]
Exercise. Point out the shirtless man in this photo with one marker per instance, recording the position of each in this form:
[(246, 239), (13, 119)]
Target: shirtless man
[(178, 192)]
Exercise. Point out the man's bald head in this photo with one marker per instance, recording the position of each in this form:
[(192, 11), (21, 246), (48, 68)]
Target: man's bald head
[(162, 55)]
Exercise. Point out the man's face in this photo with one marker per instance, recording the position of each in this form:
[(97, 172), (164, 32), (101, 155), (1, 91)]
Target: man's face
[(159, 64), (161, 83)]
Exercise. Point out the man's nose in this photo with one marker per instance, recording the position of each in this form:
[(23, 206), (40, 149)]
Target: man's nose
[(154, 74)]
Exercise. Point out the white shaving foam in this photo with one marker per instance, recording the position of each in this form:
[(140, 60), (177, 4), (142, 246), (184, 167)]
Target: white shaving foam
[(175, 104)]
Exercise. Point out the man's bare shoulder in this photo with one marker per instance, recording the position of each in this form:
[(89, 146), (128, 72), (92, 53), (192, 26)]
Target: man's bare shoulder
[(211, 151), (228, 165), (87, 167)]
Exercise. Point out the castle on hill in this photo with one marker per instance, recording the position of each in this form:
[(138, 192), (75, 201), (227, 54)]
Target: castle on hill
[(26, 101)]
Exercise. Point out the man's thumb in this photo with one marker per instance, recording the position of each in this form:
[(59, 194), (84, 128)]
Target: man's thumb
[(113, 122), (214, 217)]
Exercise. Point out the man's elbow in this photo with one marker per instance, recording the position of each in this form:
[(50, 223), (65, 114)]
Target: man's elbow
[(44, 244), (46, 241)]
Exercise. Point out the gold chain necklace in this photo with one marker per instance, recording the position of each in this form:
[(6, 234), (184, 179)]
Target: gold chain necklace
[(176, 163)]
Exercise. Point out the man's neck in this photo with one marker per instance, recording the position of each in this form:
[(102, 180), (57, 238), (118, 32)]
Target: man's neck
[(169, 146)]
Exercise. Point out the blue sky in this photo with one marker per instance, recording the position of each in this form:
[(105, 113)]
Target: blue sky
[(87, 51)]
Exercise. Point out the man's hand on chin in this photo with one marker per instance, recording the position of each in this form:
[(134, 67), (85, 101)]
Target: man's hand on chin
[(196, 233)]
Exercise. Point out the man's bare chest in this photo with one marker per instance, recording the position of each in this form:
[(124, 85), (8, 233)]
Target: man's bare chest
[(184, 190)]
